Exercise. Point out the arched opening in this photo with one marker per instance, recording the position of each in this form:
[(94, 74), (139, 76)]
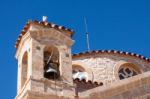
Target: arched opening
[(24, 69), (51, 62), (128, 70), (79, 72)]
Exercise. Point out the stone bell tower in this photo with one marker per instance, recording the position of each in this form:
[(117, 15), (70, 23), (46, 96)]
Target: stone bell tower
[(44, 61)]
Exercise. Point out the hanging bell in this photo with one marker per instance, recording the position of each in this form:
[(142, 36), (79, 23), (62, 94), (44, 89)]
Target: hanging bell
[(52, 71)]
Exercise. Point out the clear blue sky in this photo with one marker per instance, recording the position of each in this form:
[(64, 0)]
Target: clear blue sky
[(112, 24)]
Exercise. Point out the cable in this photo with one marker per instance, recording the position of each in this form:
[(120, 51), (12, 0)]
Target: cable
[(50, 57), (55, 86)]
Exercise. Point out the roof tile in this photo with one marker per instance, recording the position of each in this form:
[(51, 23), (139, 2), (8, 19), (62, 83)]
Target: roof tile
[(110, 52), (50, 25)]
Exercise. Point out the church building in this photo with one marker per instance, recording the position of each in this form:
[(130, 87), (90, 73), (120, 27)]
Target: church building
[(47, 69)]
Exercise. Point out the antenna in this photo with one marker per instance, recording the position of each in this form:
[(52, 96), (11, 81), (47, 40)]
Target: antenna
[(87, 35)]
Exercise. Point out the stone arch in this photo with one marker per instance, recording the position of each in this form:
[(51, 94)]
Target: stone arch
[(24, 68), (75, 66), (122, 64), (51, 62), (85, 68)]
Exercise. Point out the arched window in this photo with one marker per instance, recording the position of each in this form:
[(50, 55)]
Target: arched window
[(79, 72), (51, 62), (24, 69), (127, 70)]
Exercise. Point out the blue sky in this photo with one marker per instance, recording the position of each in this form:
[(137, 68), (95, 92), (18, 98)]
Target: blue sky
[(112, 24)]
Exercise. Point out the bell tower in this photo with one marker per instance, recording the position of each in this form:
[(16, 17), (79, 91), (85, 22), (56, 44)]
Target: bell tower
[(44, 61)]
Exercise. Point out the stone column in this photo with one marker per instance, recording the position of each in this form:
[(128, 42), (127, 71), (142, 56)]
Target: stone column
[(37, 60)]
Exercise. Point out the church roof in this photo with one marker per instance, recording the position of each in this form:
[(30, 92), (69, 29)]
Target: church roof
[(87, 53), (77, 80), (41, 23), (83, 85)]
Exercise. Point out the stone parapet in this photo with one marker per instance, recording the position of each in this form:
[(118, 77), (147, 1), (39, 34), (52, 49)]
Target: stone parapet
[(137, 87)]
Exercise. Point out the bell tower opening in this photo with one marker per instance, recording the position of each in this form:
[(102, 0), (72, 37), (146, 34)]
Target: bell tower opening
[(24, 69), (51, 63)]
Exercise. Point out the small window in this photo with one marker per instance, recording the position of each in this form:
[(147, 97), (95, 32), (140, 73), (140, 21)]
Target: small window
[(127, 71)]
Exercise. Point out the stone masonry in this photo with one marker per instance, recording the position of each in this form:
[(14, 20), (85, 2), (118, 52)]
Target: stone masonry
[(103, 68)]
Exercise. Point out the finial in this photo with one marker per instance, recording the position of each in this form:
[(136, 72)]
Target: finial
[(44, 18)]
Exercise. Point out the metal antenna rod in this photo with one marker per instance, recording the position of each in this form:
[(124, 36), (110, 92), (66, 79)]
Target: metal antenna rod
[(87, 35)]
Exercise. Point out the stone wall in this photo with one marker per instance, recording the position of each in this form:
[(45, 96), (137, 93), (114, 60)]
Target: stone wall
[(46, 89), (104, 67), (137, 87)]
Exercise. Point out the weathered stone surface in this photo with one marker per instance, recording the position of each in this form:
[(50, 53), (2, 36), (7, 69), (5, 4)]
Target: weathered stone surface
[(33, 43), (105, 66), (100, 67), (122, 90)]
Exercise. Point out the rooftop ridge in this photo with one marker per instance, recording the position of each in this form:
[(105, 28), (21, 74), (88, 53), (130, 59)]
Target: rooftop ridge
[(42, 23), (83, 81), (110, 52)]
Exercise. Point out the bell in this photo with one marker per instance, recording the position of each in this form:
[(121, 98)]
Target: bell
[(52, 71)]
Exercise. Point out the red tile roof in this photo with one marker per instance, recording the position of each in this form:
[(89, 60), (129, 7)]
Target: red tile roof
[(83, 85), (87, 53), (46, 24), (89, 82)]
